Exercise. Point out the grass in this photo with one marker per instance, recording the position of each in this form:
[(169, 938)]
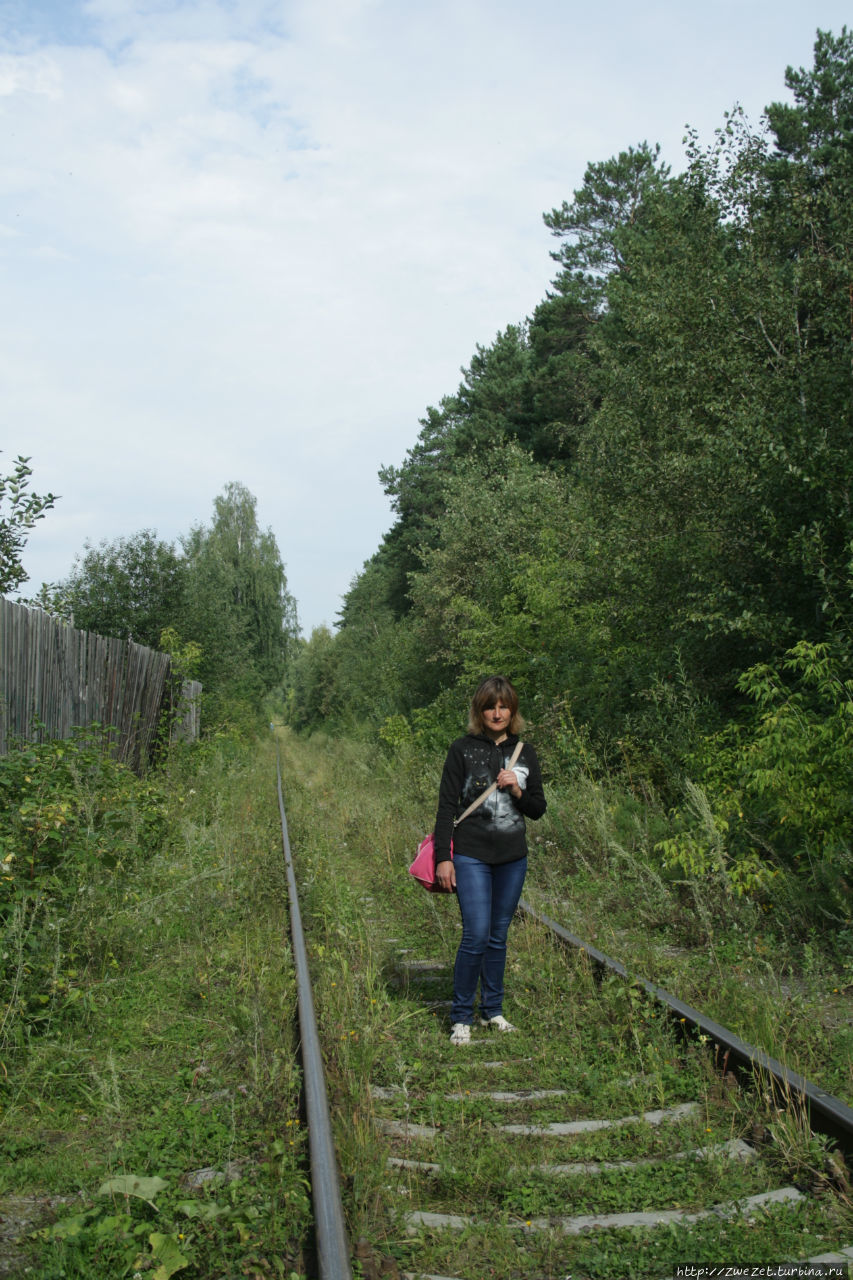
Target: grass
[(175, 1062), (150, 1085)]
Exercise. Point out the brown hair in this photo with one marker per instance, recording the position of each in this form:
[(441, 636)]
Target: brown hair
[(489, 691)]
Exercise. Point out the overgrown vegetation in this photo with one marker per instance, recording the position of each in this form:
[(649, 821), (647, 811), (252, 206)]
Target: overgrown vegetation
[(149, 1086), (149, 1082)]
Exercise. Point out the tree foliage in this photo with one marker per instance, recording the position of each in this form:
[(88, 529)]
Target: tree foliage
[(237, 605), (219, 602), (638, 500), (131, 588), (20, 511)]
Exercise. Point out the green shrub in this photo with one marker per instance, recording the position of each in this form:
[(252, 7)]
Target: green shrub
[(71, 816), (775, 792)]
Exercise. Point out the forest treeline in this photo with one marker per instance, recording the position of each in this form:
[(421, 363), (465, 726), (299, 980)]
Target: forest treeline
[(637, 503)]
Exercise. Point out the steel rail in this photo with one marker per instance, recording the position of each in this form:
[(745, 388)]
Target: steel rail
[(332, 1243), (825, 1113)]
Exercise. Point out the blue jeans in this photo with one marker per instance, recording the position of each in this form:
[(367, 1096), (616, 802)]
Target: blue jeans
[(487, 897)]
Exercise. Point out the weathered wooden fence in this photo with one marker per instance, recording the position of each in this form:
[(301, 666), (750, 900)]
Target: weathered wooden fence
[(54, 678)]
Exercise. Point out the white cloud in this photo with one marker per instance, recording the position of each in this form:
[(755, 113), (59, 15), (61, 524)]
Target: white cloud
[(33, 74)]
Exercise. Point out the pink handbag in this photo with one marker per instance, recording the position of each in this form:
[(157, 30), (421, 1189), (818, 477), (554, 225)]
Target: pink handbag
[(423, 867)]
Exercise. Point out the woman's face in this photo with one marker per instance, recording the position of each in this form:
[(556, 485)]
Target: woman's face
[(496, 719)]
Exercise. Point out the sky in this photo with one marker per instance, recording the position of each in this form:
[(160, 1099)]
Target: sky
[(253, 240)]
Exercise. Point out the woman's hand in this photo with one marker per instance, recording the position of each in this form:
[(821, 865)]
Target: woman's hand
[(508, 781), (445, 875)]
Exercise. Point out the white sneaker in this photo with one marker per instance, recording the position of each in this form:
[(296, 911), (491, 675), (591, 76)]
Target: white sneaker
[(499, 1023), (460, 1033)]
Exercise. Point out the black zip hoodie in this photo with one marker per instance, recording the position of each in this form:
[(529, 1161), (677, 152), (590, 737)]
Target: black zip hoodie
[(495, 832)]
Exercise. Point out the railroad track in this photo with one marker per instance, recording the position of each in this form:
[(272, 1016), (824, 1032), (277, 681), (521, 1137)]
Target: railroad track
[(619, 1134)]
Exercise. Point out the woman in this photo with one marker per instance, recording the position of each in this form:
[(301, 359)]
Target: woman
[(489, 847)]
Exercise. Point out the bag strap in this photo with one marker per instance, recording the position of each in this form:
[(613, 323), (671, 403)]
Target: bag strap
[(485, 794)]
